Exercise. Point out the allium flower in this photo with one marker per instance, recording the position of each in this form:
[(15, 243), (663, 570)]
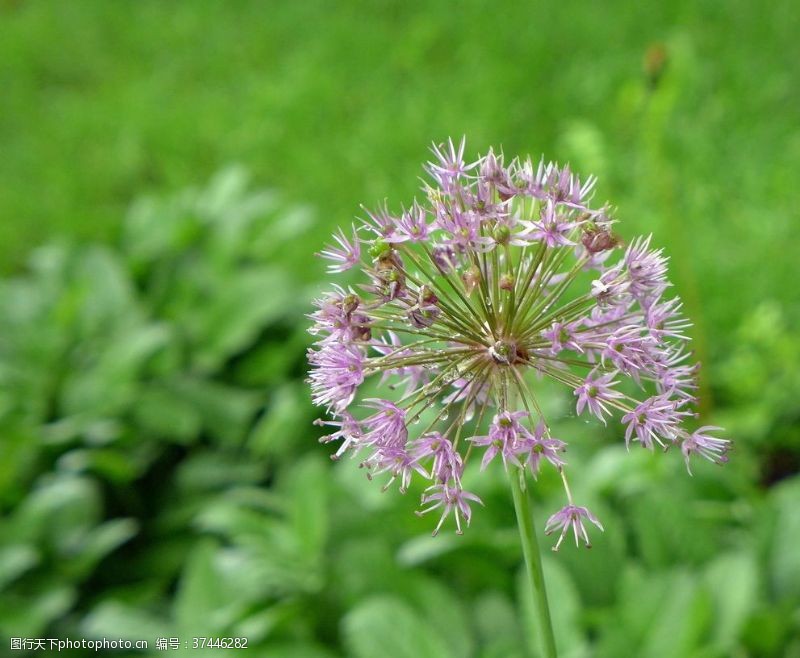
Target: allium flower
[(468, 295), (338, 371), (571, 517), (505, 438), (710, 447), (596, 394), (451, 499), (553, 228), (346, 255), (538, 446), (349, 432)]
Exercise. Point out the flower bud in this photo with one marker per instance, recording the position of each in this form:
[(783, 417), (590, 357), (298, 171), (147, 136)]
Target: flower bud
[(501, 234), (596, 239), (507, 282), (444, 258), (655, 62), (350, 303), (392, 282), (427, 296), (380, 249), (503, 352), (472, 277), (423, 317)]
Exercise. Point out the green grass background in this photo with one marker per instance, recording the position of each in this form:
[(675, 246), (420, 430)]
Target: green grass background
[(689, 112)]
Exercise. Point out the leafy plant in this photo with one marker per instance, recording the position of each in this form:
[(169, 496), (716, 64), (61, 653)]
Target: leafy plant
[(159, 477)]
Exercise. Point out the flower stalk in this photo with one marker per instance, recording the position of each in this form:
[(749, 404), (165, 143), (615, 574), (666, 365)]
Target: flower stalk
[(533, 562)]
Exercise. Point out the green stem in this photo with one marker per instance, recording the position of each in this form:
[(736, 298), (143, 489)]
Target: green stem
[(533, 561)]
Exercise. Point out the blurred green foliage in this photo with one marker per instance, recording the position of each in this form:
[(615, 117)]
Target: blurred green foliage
[(159, 473)]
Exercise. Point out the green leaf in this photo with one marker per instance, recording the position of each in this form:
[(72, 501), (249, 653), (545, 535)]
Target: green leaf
[(21, 445), (106, 378), (732, 580), (230, 320), (377, 570), (496, 624), (162, 411), (297, 650), (15, 560), (259, 625), (785, 554), (100, 289), (422, 549), (565, 610), (682, 619), (767, 631), (211, 470), (113, 618), (285, 423), (659, 615), (102, 540), (59, 512), (668, 529), (115, 465), (202, 604), (225, 410), (308, 504), (387, 627), (439, 607), (29, 616)]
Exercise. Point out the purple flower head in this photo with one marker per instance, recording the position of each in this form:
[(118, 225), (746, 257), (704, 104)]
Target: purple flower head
[(653, 421), (449, 166), (446, 463), (537, 446), (553, 228), (380, 222), (647, 270), (349, 433), (412, 226), (611, 289), (338, 371), (664, 319), (386, 427), (409, 376), (394, 460), (504, 435), (571, 517), (523, 181), (555, 184), (344, 256), (461, 230), (702, 443), (444, 257), (679, 381), (563, 337), (630, 351), (426, 311), (492, 170), (387, 274), (597, 238), (567, 188), (338, 320), (451, 499), (596, 394), (501, 275)]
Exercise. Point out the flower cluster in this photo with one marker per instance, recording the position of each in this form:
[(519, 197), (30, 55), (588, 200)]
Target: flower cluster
[(504, 270)]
